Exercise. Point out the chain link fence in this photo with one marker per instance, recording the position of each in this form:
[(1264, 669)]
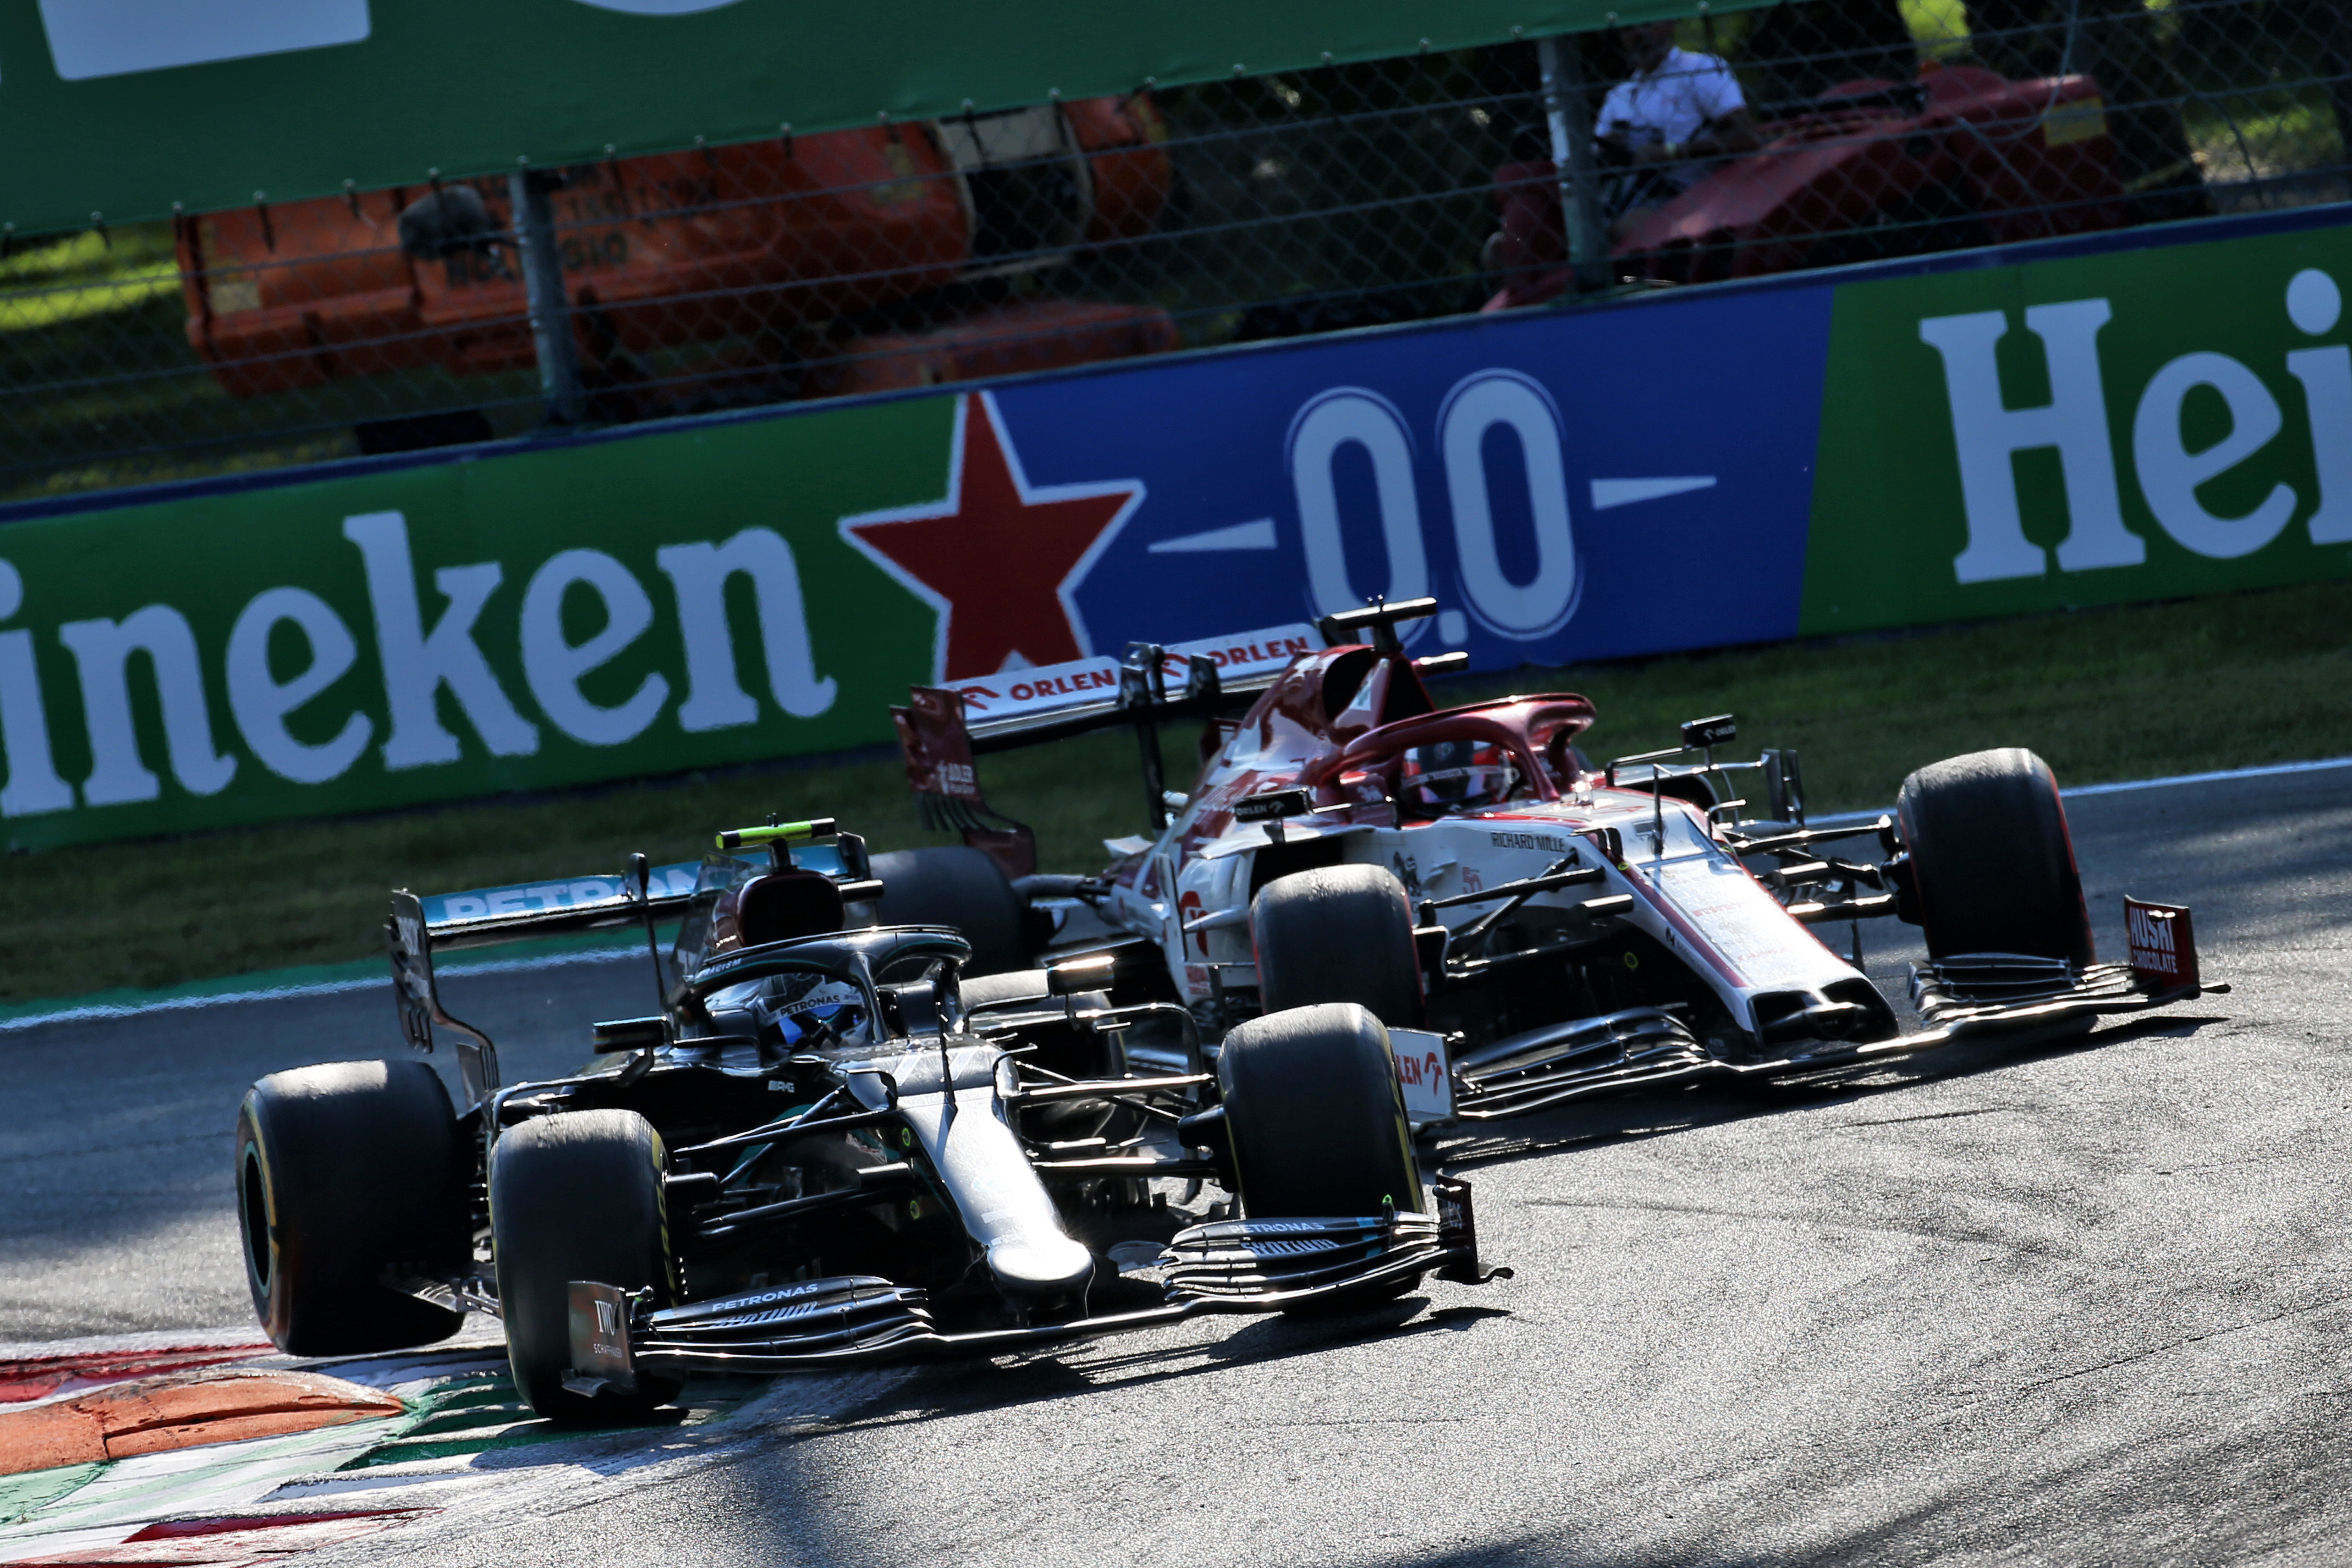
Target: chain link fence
[(911, 255)]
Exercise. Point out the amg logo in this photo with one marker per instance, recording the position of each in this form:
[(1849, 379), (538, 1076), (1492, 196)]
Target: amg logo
[(1289, 1249), (1543, 841)]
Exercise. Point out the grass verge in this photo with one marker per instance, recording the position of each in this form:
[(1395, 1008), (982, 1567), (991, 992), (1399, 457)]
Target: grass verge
[(2106, 694)]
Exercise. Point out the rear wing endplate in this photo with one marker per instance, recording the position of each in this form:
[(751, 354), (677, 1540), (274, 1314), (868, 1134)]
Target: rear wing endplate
[(418, 999)]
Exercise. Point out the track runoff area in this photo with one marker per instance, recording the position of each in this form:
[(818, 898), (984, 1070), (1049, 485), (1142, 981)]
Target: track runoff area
[(2068, 1303)]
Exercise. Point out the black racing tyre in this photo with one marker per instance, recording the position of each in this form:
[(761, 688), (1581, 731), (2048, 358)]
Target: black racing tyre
[(1992, 861), (347, 1171), (1338, 933), (576, 1195), (958, 886), (1314, 1114)]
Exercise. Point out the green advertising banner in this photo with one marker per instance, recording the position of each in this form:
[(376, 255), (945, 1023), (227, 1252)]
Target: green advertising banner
[(125, 107), (2135, 423), (459, 629), (2131, 418)]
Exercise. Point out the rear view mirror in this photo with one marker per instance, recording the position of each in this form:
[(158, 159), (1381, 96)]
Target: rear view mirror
[(1719, 731), (616, 1035), (1273, 806)]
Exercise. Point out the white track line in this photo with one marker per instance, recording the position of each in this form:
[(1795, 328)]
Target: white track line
[(2263, 772), (2271, 770), (616, 955), (315, 988)]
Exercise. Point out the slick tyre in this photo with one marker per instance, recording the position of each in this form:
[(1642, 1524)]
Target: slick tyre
[(1992, 864), (1338, 933), (576, 1195), (347, 1172), (1316, 1118), (958, 887)]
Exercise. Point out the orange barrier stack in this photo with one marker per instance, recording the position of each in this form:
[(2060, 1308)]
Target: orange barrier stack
[(301, 294), (1126, 144), (667, 251)]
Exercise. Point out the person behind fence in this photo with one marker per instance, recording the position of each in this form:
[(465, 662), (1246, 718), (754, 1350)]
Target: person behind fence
[(1663, 123)]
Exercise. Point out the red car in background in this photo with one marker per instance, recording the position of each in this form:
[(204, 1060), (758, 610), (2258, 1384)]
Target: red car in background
[(1869, 170)]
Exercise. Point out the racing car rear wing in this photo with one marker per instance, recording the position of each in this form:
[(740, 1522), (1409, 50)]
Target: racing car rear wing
[(645, 895), (1028, 706), (567, 907), (943, 728)]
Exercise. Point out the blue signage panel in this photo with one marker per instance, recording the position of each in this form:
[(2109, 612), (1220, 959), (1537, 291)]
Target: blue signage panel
[(1568, 485)]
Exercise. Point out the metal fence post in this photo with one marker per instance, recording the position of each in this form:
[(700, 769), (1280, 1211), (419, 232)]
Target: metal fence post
[(550, 312), (1571, 118)]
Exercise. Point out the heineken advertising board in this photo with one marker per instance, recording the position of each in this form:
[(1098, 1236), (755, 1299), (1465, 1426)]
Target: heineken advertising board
[(2132, 423), (1686, 470)]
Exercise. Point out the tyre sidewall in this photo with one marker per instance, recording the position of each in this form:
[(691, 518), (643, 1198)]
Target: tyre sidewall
[(958, 887), (576, 1195), (1993, 860), (346, 1173), (1315, 1115), (1338, 933)]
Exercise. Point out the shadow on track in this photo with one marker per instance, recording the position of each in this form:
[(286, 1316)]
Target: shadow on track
[(970, 1387)]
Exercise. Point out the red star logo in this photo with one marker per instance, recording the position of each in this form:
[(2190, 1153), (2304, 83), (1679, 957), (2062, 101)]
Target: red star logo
[(1000, 559)]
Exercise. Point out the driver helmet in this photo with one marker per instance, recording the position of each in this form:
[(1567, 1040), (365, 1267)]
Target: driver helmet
[(1457, 775), (804, 1012)]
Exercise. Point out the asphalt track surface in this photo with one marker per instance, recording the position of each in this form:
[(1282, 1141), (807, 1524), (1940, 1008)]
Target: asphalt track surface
[(2077, 1305)]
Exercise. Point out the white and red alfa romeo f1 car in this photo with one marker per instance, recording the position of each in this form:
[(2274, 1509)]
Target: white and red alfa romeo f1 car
[(1530, 928)]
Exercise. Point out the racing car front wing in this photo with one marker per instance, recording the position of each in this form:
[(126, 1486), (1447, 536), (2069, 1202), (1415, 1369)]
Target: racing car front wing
[(1964, 997), (1228, 1266)]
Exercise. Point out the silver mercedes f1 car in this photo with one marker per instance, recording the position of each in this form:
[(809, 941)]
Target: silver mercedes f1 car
[(826, 1145)]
